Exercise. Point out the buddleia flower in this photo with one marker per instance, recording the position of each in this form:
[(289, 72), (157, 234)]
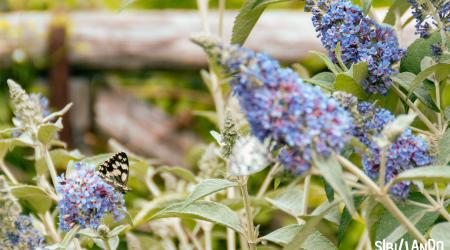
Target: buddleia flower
[(426, 12), (407, 151), (280, 107), (17, 231), (29, 110), (361, 39), (86, 199)]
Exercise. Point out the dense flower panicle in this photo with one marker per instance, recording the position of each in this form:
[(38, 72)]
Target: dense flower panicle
[(406, 152), (281, 107), (29, 110), (361, 39), (16, 231), (425, 20), (86, 198)]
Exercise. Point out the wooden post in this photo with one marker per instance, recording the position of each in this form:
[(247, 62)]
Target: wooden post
[(59, 70)]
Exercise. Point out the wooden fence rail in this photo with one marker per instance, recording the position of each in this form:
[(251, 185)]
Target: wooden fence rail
[(152, 39)]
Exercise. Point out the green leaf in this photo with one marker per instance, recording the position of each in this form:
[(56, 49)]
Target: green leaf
[(125, 3), (207, 187), (178, 171), (419, 49), (444, 148), (46, 132), (113, 243), (203, 210), (264, 3), (429, 173), (387, 224), (346, 219), (366, 4), (400, 231), (328, 190), (118, 230), (338, 54), (10, 143), (323, 79), (332, 172), (359, 71), (437, 69), (69, 237), (284, 235), (245, 21), (37, 197), (327, 62), (405, 79), (150, 208), (440, 233), (209, 115), (399, 7), (289, 201), (308, 228), (346, 83)]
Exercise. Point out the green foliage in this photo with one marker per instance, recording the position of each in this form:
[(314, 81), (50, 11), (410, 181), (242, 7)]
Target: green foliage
[(203, 210), (419, 49), (35, 196), (284, 235)]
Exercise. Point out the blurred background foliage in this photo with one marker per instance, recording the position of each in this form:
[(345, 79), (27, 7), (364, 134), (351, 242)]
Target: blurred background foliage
[(179, 93)]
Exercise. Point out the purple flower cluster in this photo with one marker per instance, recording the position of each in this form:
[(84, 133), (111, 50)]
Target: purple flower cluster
[(86, 198), (406, 152), (281, 107), (425, 21), (22, 236), (361, 39)]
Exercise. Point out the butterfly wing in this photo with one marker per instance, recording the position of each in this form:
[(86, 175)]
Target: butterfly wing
[(115, 171)]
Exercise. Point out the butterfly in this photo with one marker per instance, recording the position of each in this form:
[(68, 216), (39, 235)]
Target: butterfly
[(248, 156), (114, 171)]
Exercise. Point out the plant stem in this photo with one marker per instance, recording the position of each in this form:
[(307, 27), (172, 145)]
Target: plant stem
[(50, 166), (419, 113), (221, 14), (76, 242), (438, 104), (393, 209), (306, 188), (231, 235), (383, 197), (50, 226), (267, 180), (251, 237), (7, 172), (208, 239), (106, 244), (382, 167)]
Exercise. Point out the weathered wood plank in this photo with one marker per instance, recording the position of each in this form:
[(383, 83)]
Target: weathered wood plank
[(142, 128), (153, 39)]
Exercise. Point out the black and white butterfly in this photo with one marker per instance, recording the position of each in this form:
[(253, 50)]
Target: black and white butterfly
[(114, 171)]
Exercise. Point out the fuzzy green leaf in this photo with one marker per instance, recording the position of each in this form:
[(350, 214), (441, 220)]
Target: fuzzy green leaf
[(284, 235), (207, 187), (332, 172), (440, 233), (346, 83), (37, 197), (178, 171), (289, 201), (245, 21), (419, 49), (444, 148), (46, 132), (203, 210), (399, 7), (429, 173)]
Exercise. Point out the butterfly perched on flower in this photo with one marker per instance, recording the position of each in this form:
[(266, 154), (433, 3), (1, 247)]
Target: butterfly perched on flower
[(248, 156), (114, 171)]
